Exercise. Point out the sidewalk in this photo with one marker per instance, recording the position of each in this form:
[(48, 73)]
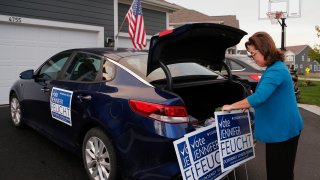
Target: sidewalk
[(308, 79), (312, 108)]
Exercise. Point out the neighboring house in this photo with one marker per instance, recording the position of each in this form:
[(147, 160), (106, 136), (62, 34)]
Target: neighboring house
[(184, 16), (297, 56), (301, 60), (33, 30)]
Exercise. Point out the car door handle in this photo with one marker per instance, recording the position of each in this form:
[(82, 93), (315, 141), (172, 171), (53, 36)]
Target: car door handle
[(86, 98), (45, 89)]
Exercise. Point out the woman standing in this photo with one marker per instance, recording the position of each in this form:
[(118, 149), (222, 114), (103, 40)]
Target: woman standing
[(278, 122)]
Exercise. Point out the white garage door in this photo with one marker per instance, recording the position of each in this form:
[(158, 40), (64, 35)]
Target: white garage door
[(27, 43)]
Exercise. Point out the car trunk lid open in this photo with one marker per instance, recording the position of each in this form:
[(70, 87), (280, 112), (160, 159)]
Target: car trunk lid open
[(201, 42)]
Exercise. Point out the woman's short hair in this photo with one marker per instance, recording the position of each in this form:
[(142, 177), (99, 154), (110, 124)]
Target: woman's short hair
[(263, 42)]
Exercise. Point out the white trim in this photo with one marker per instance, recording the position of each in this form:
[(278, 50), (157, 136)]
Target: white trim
[(131, 72), (155, 5), (116, 23), (167, 21), (49, 23)]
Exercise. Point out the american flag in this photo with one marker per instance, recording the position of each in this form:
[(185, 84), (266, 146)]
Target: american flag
[(136, 30)]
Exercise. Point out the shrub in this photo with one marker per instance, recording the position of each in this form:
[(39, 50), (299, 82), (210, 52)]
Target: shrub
[(307, 83)]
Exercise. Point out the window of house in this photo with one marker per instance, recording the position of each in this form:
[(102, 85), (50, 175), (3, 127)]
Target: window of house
[(289, 58), (302, 58), (308, 59), (315, 67), (310, 66), (301, 66), (296, 66)]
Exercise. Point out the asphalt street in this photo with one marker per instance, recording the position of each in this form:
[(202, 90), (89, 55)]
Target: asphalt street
[(25, 154)]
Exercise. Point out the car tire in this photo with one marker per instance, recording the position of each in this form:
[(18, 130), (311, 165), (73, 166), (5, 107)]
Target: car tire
[(15, 111), (99, 164)]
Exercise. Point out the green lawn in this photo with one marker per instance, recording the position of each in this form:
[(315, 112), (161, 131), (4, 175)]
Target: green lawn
[(310, 94)]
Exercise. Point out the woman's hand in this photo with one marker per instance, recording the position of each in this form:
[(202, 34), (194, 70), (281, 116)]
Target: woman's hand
[(227, 107), (243, 105)]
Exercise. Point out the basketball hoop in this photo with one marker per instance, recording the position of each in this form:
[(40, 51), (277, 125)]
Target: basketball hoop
[(275, 16)]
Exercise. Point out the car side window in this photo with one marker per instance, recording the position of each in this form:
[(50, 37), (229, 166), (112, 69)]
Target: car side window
[(108, 71), (51, 69), (235, 66), (84, 67)]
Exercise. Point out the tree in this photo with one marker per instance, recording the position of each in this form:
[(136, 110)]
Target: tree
[(318, 30), (314, 53)]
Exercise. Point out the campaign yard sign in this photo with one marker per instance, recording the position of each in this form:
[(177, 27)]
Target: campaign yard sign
[(186, 168), (234, 138), (60, 105), (198, 154)]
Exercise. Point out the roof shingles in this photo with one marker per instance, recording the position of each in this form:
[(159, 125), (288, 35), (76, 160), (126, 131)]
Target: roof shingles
[(191, 16)]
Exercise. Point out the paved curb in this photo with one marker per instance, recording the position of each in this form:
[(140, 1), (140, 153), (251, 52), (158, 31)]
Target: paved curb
[(312, 108)]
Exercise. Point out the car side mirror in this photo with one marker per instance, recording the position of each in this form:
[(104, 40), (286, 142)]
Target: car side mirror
[(28, 74)]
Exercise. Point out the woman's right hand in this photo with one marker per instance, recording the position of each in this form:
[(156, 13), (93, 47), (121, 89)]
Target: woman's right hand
[(227, 107)]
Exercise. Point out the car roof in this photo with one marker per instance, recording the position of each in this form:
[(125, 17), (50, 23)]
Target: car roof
[(120, 52), (244, 59)]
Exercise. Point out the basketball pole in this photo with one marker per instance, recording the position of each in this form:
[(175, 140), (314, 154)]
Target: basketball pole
[(283, 33)]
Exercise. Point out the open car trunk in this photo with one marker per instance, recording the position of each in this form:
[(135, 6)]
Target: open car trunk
[(204, 44), (202, 101)]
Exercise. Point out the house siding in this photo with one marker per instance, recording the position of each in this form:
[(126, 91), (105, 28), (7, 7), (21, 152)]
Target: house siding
[(154, 21), (90, 12)]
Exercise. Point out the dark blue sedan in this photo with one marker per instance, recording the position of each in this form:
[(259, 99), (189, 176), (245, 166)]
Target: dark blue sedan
[(120, 109)]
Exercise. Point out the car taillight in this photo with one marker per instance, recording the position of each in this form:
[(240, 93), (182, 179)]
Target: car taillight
[(255, 76), (160, 112)]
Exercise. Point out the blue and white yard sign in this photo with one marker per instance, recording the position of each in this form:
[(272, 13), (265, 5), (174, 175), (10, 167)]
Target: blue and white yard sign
[(198, 155), (234, 138), (60, 105), (186, 168)]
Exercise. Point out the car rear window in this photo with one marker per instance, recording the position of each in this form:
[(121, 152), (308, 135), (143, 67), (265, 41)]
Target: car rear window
[(138, 64)]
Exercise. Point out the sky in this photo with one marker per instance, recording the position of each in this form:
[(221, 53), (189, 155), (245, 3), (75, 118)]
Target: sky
[(299, 31)]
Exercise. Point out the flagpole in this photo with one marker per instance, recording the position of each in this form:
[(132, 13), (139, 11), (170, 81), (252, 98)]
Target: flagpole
[(124, 20)]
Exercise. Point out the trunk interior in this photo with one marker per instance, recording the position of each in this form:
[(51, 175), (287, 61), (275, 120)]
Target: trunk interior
[(202, 100)]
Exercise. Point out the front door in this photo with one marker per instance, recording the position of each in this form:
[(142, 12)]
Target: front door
[(37, 92), (74, 96)]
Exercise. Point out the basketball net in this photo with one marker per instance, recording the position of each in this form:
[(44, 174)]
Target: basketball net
[(275, 16)]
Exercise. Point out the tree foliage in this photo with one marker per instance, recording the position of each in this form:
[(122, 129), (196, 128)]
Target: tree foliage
[(314, 53), (318, 30)]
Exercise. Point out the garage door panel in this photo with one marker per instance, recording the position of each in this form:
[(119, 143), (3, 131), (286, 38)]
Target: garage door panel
[(24, 47)]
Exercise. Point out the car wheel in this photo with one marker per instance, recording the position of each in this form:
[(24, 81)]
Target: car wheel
[(15, 109), (99, 157)]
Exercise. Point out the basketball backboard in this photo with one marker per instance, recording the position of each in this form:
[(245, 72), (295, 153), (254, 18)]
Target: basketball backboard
[(290, 8)]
